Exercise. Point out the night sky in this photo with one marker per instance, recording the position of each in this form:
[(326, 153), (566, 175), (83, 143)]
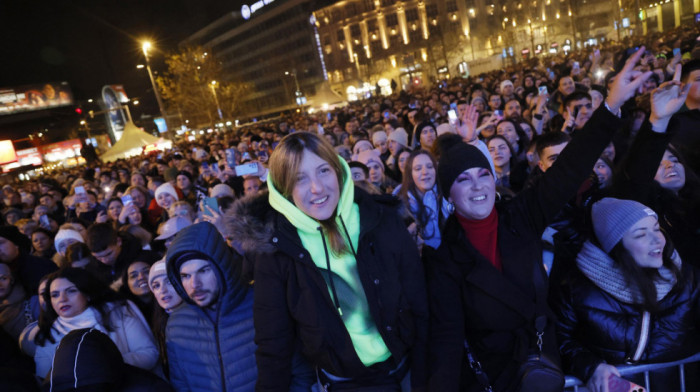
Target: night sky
[(93, 43)]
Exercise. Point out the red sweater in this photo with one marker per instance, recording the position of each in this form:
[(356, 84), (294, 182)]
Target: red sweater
[(483, 235)]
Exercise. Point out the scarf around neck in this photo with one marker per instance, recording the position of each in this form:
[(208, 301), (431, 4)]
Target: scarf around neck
[(605, 273), (90, 318)]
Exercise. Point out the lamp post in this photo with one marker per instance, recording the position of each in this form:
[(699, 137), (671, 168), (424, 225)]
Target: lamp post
[(212, 85), (147, 45), (298, 95)]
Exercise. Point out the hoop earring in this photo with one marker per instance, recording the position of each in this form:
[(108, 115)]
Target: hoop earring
[(498, 197), (450, 208)]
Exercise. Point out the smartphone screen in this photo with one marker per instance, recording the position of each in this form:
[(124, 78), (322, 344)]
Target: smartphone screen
[(230, 157), (44, 220), (543, 90), (126, 199), (498, 113), (452, 115), (246, 169), (212, 203)]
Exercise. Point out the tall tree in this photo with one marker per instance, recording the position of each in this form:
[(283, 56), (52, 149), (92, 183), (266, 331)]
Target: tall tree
[(187, 88)]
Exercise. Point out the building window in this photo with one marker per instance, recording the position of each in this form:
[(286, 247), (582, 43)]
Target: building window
[(341, 35), (369, 5), (451, 6), (372, 25), (392, 20), (388, 3), (375, 48), (394, 41), (415, 36), (412, 15), (431, 10), (350, 10), (355, 30), (337, 15)]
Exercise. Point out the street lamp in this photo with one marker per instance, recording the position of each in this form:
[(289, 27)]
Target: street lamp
[(212, 85), (298, 95), (145, 46)]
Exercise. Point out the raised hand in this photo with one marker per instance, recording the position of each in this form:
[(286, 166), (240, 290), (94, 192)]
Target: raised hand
[(101, 217), (668, 98), (466, 128), (626, 82)]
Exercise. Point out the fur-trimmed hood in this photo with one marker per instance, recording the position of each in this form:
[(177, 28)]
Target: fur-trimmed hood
[(251, 223)]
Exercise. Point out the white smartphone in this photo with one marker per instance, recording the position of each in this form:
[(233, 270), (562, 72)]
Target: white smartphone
[(452, 115), (246, 169)]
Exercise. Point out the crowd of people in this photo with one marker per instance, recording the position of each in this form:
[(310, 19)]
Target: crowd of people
[(497, 231)]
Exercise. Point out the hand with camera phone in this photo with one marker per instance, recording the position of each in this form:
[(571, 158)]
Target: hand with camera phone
[(212, 214), (570, 122), (44, 222), (618, 384), (600, 378)]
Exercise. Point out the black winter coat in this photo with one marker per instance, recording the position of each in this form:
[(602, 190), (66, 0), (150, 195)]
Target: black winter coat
[(292, 300), (469, 298), (594, 326)]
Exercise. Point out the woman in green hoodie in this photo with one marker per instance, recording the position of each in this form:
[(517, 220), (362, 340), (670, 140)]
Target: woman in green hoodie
[(336, 272)]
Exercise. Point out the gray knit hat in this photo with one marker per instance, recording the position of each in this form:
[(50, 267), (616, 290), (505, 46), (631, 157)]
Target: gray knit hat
[(613, 217)]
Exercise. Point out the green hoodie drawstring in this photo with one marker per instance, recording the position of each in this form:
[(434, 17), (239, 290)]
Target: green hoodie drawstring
[(330, 273)]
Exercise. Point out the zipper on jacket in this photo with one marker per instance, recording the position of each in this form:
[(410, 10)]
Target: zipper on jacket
[(643, 336), (218, 352)]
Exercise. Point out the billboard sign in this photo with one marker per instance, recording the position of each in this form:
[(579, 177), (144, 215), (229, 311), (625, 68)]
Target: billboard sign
[(112, 98), (62, 150), (248, 11), (34, 97), (7, 152), (27, 157)]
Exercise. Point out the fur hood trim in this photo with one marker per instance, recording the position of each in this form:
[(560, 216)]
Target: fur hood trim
[(251, 224)]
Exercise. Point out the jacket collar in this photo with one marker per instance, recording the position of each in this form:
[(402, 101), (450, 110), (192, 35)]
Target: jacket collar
[(481, 273)]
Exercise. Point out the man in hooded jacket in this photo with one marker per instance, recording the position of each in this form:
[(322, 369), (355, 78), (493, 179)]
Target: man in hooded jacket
[(210, 339)]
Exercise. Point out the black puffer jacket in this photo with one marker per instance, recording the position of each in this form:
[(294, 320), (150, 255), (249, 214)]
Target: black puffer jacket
[(594, 326), (292, 300)]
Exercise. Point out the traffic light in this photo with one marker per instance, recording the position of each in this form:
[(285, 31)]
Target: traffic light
[(79, 110)]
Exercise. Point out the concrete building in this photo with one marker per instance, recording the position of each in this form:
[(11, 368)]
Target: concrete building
[(269, 43)]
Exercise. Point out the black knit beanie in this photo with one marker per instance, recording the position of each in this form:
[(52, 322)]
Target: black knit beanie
[(12, 234), (456, 160), (186, 174)]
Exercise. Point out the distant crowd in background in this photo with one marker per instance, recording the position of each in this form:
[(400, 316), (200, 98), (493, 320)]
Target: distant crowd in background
[(543, 216)]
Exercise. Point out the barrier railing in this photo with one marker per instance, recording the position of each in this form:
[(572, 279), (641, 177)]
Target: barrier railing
[(576, 385)]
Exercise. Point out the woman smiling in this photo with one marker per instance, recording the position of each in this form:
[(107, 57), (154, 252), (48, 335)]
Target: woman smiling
[(332, 272)]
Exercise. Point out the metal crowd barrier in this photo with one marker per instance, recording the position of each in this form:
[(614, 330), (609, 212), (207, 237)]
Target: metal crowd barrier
[(576, 385)]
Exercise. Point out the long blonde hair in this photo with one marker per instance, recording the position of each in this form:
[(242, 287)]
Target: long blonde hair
[(284, 166)]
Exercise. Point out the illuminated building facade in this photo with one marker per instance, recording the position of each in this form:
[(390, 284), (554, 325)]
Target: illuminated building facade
[(366, 42)]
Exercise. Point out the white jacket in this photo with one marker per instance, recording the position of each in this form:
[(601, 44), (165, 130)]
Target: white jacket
[(130, 332)]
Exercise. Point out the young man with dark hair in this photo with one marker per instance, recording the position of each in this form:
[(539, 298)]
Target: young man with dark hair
[(549, 146), (112, 251), (578, 109), (210, 337)]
